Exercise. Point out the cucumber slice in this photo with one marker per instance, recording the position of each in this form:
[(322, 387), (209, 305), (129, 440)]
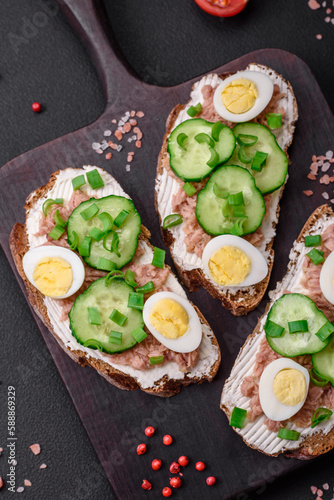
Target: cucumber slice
[(128, 232), (213, 212), (323, 361), (105, 298), (189, 157), (296, 307), (273, 174)]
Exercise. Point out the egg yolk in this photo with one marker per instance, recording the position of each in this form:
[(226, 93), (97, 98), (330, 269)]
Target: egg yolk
[(239, 96), (289, 386), (169, 318), (229, 266), (53, 276)]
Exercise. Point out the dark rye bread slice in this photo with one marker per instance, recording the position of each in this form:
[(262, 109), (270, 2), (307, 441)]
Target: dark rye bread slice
[(165, 387), (246, 299), (316, 444)]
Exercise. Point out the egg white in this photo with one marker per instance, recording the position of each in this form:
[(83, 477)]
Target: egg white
[(193, 336), (271, 407), (33, 257), (259, 266), (326, 278), (265, 88)]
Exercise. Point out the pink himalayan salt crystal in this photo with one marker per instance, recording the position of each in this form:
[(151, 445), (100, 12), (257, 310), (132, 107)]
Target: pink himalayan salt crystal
[(313, 4), (318, 37), (43, 466), (27, 482), (35, 448)]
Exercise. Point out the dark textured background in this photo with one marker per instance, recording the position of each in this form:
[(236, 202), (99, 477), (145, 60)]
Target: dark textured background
[(166, 43)]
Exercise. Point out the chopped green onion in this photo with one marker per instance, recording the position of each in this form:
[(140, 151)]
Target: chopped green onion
[(259, 161), (225, 208), (172, 220), (147, 288), (94, 344), (214, 158), (118, 318), (238, 211), (325, 331), (238, 417), (181, 138), (288, 434), (59, 220), (75, 242), (56, 232), (115, 337), (94, 179), (237, 229), (194, 110), (158, 258), (298, 326), (89, 212), (78, 181), (246, 139), (121, 218), (130, 277), (202, 137), (96, 234), (114, 242), (94, 316), (136, 300), (106, 264), (219, 193), (274, 120), (320, 415), (156, 360), (243, 156), (189, 189), (316, 256), (317, 379), (216, 129), (84, 247), (50, 201), (114, 274), (273, 329), (139, 334), (106, 220), (236, 199), (313, 240)]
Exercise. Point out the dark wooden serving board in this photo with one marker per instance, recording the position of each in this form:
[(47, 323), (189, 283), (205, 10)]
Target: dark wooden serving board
[(114, 419)]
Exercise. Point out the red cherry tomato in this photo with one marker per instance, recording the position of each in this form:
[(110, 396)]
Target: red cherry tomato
[(149, 431), (166, 492), (36, 107), (211, 480), (141, 449), (146, 485), (183, 461), (156, 464), (174, 468), (167, 440), (200, 466), (175, 482), (222, 8)]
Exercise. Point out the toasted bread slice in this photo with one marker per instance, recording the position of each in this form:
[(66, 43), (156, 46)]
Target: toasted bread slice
[(161, 380), (189, 265), (312, 442)]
